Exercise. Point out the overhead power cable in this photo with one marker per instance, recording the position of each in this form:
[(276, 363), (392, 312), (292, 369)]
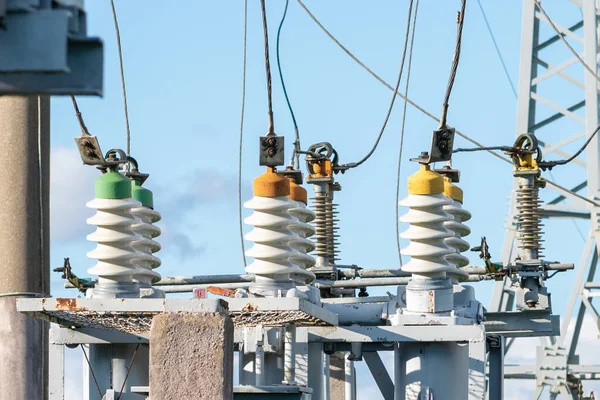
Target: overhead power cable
[(122, 71), (391, 106), (410, 55), (455, 60), (561, 36), (271, 130), (489, 28), (241, 143), (383, 82), (554, 163), (295, 154), (84, 129), (415, 105)]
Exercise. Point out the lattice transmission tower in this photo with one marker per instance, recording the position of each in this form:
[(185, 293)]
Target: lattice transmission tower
[(555, 91)]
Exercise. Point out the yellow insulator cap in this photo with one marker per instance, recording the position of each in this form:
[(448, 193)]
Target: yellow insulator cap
[(452, 191), (271, 184), (297, 192), (425, 181)]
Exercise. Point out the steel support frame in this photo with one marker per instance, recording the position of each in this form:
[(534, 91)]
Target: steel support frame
[(533, 73)]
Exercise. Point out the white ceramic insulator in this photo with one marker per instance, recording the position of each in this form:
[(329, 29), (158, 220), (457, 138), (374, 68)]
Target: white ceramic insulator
[(301, 243), (271, 236), (456, 242), (114, 236), (427, 235), (146, 245)]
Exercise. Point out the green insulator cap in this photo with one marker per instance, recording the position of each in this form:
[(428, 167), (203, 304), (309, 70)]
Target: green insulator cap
[(142, 194), (113, 185)]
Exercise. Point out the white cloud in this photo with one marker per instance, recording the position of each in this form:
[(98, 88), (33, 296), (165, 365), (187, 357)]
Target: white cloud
[(71, 186)]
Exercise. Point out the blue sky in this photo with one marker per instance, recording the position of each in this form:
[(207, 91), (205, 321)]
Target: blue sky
[(183, 73)]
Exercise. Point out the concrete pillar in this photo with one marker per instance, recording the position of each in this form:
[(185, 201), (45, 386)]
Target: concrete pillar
[(191, 356), (24, 244), (337, 376)]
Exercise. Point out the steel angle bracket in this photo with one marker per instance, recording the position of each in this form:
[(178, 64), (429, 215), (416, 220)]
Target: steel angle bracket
[(522, 323), (46, 50)]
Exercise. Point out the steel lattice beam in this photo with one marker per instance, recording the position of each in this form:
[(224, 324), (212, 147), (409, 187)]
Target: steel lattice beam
[(536, 75)]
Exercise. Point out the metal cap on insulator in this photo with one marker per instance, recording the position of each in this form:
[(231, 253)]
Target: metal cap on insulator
[(297, 192), (425, 181), (142, 194), (271, 184), (113, 185), (452, 191)]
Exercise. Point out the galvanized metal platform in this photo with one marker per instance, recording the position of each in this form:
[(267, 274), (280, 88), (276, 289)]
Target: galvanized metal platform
[(134, 316)]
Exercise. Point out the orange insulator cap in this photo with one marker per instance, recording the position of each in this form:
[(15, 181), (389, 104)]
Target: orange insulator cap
[(271, 184), (452, 191), (297, 192), (425, 181)]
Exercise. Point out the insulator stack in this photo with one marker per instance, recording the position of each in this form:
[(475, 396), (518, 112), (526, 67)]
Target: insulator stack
[(429, 291), (303, 231), (530, 219), (146, 245), (320, 224), (147, 231), (114, 237), (271, 235), (301, 243), (458, 229)]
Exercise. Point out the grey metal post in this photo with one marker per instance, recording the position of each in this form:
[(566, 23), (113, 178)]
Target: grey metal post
[(496, 368), (24, 245), (316, 373), (423, 372), (124, 355)]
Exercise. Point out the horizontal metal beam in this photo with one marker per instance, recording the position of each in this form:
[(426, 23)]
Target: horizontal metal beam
[(392, 334), (59, 335), (522, 324), (589, 372)]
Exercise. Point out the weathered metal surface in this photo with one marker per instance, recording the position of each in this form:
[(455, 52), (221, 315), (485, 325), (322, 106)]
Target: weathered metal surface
[(134, 316)]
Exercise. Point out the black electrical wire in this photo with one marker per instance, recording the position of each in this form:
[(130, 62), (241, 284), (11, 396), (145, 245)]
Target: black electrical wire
[(391, 106), (509, 149), (271, 130), (122, 71), (551, 164), (455, 61), (410, 56), (295, 154), (84, 129)]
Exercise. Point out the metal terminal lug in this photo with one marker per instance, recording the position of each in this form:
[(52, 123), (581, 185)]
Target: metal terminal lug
[(271, 150)]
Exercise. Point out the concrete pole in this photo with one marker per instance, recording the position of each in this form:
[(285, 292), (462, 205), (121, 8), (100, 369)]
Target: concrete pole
[(24, 244)]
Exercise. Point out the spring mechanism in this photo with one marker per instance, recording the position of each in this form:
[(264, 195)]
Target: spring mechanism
[(332, 229), (529, 218), (456, 242), (320, 224)]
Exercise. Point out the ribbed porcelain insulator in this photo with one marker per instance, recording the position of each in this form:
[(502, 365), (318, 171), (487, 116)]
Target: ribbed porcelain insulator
[(456, 242), (301, 243), (146, 245), (114, 236), (427, 235), (271, 236)]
